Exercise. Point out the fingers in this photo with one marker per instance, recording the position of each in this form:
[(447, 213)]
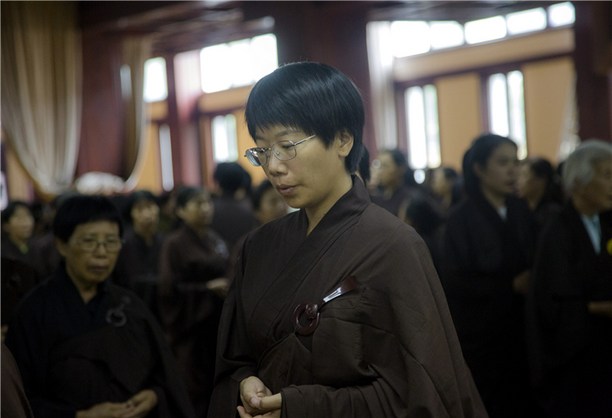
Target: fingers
[(269, 403)]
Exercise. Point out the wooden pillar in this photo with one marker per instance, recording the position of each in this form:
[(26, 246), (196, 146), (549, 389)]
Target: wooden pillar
[(593, 62)]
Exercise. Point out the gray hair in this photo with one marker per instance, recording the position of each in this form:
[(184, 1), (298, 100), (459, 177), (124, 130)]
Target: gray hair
[(578, 169)]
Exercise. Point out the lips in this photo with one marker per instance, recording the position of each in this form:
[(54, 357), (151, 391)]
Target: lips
[(285, 190), (98, 269)]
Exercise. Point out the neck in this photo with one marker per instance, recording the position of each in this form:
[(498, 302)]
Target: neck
[(583, 206), (22, 245), (146, 235), (495, 199), (317, 213)]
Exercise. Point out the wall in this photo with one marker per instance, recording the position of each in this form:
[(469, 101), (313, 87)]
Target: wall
[(457, 74)]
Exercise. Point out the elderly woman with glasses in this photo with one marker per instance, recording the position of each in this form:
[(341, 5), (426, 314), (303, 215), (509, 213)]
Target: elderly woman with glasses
[(335, 309), (86, 347)]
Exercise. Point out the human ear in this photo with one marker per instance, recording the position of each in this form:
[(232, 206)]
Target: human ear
[(345, 143), (478, 170), (62, 247)]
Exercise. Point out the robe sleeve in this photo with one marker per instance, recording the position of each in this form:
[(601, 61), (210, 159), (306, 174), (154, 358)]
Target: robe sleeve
[(232, 365), (26, 342)]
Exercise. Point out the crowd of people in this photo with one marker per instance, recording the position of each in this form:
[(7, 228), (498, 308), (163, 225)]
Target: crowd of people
[(482, 291)]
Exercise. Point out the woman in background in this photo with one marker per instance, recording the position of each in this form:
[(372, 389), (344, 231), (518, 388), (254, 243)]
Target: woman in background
[(488, 251), (86, 347), (538, 183), (194, 260), (570, 303)]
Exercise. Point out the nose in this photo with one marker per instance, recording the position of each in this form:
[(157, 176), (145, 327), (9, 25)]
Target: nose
[(275, 166)]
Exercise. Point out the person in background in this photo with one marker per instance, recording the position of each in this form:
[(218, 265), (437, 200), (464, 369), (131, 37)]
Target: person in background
[(424, 215), (363, 168), (193, 264), (395, 181), (14, 403), (19, 273), (570, 301), (446, 187), (335, 309), (44, 252), (86, 347), (167, 211), (17, 230), (488, 251), (232, 218), (539, 185), (138, 263), (268, 205)]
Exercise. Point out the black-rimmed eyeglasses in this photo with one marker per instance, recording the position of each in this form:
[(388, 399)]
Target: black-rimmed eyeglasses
[(282, 150)]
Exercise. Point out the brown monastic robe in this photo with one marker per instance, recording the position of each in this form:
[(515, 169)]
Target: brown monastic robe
[(386, 348)]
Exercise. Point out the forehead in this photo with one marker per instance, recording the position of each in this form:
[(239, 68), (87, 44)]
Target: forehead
[(97, 227), (603, 166), (141, 204), (504, 151), (275, 132)]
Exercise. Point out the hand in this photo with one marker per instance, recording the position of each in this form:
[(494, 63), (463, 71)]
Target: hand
[(520, 284), (272, 414), (601, 308), (105, 410), (141, 403), (257, 398), (219, 286)]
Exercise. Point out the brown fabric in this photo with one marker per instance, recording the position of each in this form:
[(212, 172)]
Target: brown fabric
[(14, 401), (387, 348), (189, 311)]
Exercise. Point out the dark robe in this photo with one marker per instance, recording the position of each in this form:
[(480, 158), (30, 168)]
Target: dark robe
[(232, 219), (138, 267), (14, 403), (19, 276), (189, 311), (386, 348), (74, 355), (482, 255), (394, 203), (572, 349)]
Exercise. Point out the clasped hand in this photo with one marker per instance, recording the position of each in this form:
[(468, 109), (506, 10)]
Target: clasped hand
[(138, 406), (257, 400)]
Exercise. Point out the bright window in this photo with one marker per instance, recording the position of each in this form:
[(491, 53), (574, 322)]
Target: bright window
[(165, 152), (422, 121), (526, 21), (507, 108), (561, 14), (446, 34), (225, 143), (155, 81), (237, 63), (484, 30), (410, 38)]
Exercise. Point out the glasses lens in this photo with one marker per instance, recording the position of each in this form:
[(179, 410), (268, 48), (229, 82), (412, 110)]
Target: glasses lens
[(284, 150), (112, 245), (255, 157)]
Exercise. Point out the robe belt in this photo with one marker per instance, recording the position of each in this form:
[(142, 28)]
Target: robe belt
[(306, 315)]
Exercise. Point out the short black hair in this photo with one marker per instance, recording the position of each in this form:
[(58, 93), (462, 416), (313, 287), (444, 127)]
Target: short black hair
[(81, 209), (138, 196), (231, 176), (10, 209), (314, 97), (186, 193), (479, 153), (259, 192)]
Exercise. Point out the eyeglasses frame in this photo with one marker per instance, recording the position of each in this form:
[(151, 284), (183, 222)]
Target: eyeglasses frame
[(268, 151)]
